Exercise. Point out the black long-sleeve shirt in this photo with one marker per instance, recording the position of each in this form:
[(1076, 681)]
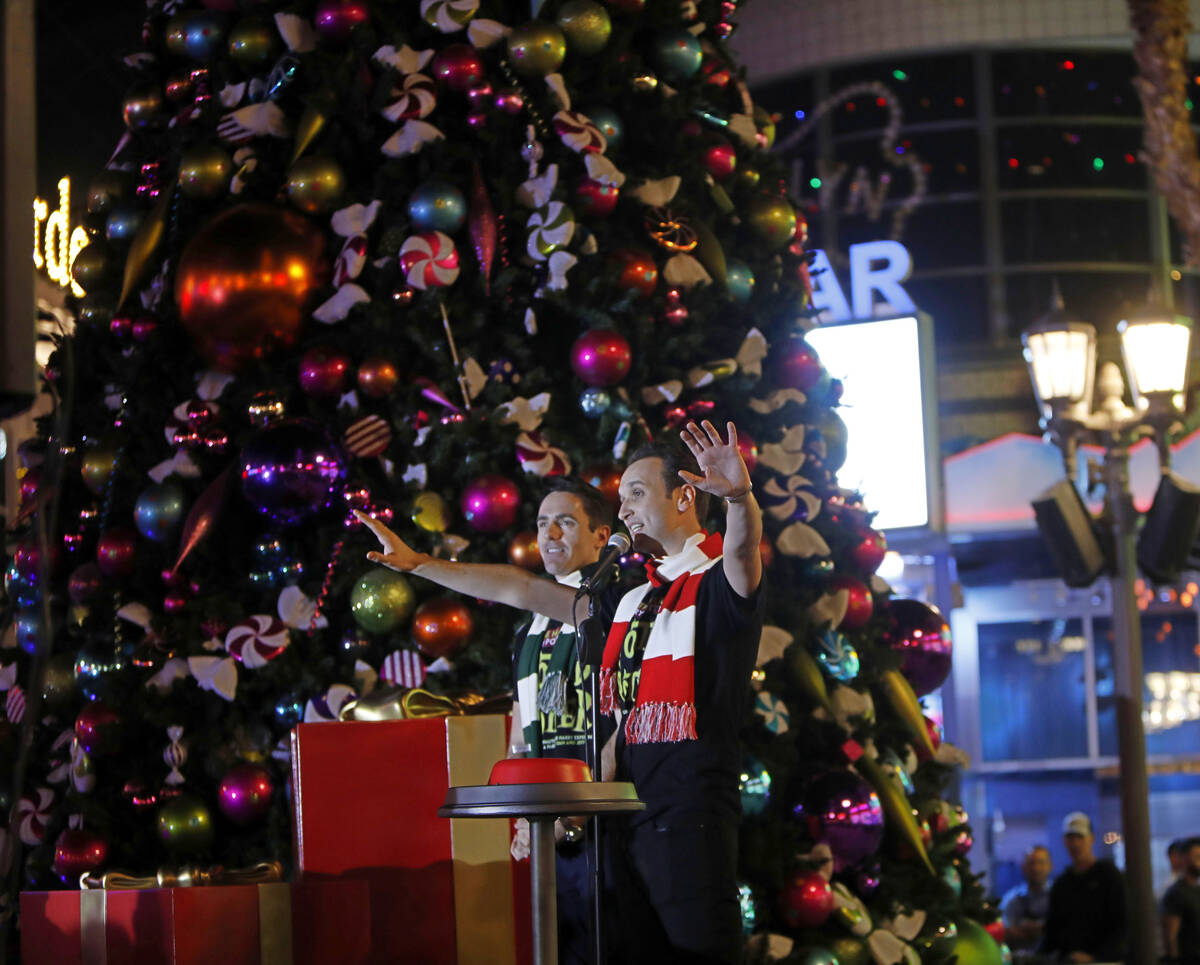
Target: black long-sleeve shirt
[(1087, 914)]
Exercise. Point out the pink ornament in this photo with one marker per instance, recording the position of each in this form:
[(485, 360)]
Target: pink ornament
[(143, 328), (245, 793), (601, 357), (120, 325), (335, 19), (324, 372), (720, 160), (429, 260), (458, 67), (595, 198), (807, 900), (97, 728), (919, 634), (490, 503), (480, 98), (77, 852), (483, 227), (797, 365), (509, 101), (675, 312), (116, 552), (859, 607), (869, 552)]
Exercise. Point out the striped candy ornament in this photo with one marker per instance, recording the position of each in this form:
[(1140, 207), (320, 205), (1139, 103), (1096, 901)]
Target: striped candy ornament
[(14, 704), (403, 668), (257, 641), (328, 705), (537, 456), (579, 133), (429, 260), (175, 755), (773, 712), (550, 228), (417, 97), (448, 16), (33, 813), (368, 437)]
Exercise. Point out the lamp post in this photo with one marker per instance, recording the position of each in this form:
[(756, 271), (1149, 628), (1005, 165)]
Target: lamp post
[(1061, 354)]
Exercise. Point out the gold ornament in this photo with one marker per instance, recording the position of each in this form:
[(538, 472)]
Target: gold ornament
[(747, 177), (670, 230), (316, 184), (312, 122), (766, 127), (773, 219), (262, 873), (145, 244), (107, 188), (175, 36), (429, 512), (896, 807), (710, 253), (204, 172), (97, 467), (144, 107), (253, 42), (586, 25), (536, 48), (899, 694), (644, 82), (92, 266)]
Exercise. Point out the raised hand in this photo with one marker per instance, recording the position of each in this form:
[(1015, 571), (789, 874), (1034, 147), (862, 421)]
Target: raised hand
[(397, 554), (725, 472)]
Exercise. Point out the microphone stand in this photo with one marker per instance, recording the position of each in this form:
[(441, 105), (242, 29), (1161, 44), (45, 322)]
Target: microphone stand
[(589, 651)]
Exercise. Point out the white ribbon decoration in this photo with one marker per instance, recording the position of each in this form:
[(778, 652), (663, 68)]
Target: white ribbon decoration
[(527, 414), (216, 674), (411, 138)]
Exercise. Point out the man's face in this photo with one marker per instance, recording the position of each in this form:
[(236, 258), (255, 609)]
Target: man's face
[(1193, 861), (565, 538), (1078, 845), (648, 510), (1037, 867)]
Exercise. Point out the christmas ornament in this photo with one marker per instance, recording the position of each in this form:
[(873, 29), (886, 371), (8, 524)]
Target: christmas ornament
[(490, 503), (806, 901), (972, 945), (772, 711), (594, 402), (368, 437), (244, 280), (316, 184), (58, 685), (897, 808), (834, 436), (257, 641), (291, 471), (78, 852), (634, 270), (32, 816), (772, 219), (677, 54), (754, 784), (509, 100), (919, 633), (324, 372), (840, 809), (669, 230), (586, 25), (265, 409), (609, 123), (106, 189), (484, 226), (204, 173), (416, 98), (601, 357), (116, 552), (606, 478), (720, 161), (203, 34), (437, 206), (595, 199), (578, 132), (430, 512), (97, 667), (836, 655), (144, 107), (441, 626), (458, 67), (159, 510), (996, 930), (448, 16), (536, 48), (523, 551), (429, 260), (869, 551), (97, 728), (245, 793), (813, 954), (253, 42), (675, 312), (748, 905), (859, 605), (184, 825), (953, 879), (739, 281), (336, 19), (93, 266), (381, 600), (97, 467), (796, 365), (550, 229), (120, 227), (377, 377)]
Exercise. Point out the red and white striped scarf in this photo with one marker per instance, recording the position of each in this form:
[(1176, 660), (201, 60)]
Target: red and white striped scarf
[(664, 707)]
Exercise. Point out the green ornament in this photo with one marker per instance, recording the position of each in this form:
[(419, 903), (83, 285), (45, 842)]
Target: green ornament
[(974, 946), (773, 219), (536, 48), (185, 825), (677, 54), (381, 600), (586, 25), (850, 950), (938, 940)]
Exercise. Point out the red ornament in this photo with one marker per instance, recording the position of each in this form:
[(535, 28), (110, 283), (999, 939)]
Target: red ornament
[(606, 478), (523, 551), (323, 372), (143, 328), (766, 551), (458, 67), (995, 929), (120, 325), (595, 198), (84, 583), (869, 552), (635, 270), (509, 101), (807, 900), (934, 732), (748, 448), (715, 73), (77, 852), (919, 633), (963, 842), (860, 605), (377, 377), (116, 552), (601, 357), (483, 226), (797, 365), (675, 312), (441, 625), (720, 160), (801, 234), (97, 728), (336, 18), (245, 793), (490, 503)]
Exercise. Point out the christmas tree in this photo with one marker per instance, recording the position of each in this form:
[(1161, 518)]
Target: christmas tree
[(409, 259)]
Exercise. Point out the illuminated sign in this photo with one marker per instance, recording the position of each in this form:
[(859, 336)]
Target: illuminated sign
[(881, 364), (876, 267), (55, 242)]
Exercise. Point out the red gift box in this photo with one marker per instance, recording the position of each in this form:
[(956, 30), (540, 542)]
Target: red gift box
[(270, 924), (366, 795)]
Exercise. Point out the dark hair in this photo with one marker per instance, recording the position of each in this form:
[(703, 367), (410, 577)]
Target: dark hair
[(1180, 845), (674, 456), (1190, 843), (596, 506)]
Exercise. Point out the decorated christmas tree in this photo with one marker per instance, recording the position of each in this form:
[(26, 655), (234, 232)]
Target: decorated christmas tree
[(410, 259)]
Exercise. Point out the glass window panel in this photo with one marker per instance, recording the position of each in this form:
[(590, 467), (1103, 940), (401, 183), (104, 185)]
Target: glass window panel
[(958, 307), (1097, 297), (928, 89), (1071, 156), (945, 236), (1025, 668), (1037, 82), (1074, 229)]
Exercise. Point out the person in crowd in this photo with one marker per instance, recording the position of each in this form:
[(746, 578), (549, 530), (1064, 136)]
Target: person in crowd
[(1024, 906), (1086, 920), (1181, 909)]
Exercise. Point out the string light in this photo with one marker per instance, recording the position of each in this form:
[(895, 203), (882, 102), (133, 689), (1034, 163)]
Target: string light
[(800, 115), (59, 243), (814, 183), (899, 74), (1097, 164)]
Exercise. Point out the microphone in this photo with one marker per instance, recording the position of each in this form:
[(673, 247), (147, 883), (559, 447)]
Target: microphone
[(618, 545)]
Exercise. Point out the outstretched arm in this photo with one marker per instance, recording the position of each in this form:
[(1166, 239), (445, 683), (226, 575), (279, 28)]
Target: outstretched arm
[(498, 582), (726, 476)]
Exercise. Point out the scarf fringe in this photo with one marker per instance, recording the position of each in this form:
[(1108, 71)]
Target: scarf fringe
[(552, 695), (608, 691), (658, 722)]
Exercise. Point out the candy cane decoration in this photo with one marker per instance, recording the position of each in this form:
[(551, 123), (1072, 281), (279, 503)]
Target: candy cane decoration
[(257, 641), (429, 260), (33, 814), (403, 668), (579, 132)]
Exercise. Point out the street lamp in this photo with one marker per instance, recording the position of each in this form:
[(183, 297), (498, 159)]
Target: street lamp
[(1061, 354)]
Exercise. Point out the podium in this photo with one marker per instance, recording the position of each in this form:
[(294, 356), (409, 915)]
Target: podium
[(542, 790)]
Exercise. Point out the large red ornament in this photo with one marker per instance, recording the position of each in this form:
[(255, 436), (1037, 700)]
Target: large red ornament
[(523, 551), (97, 728), (245, 793), (336, 18), (458, 67), (920, 634), (720, 160), (748, 448), (377, 377), (244, 281), (441, 625), (796, 364), (635, 270), (606, 478), (807, 900), (323, 372), (594, 198), (490, 503), (869, 552), (76, 852), (995, 929), (859, 607), (601, 357), (116, 552)]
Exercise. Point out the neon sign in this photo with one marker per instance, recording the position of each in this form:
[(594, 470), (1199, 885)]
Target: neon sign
[(56, 244), (876, 267)]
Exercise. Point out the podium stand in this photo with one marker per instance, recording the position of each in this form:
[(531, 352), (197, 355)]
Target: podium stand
[(541, 804)]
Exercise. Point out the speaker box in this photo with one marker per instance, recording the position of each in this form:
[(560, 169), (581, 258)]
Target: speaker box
[(1070, 537), (1169, 529)]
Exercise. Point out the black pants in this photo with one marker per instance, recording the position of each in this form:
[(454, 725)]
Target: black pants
[(574, 907), (674, 895)]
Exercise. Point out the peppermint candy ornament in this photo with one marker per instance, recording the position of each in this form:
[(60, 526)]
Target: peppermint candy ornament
[(429, 260), (773, 711), (579, 133), (257, 641), (417, 97), (14, 705), (448, 16), (403, 668), (550, 229), (33, 814), (368, 437), (537, 456), (328, 705)]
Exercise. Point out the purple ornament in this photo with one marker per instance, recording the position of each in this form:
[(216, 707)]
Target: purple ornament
[(84, 583), (842, 810), (245, 793), (490, 503), (324, 372), (116, 552), (292, 470), (920, 635)]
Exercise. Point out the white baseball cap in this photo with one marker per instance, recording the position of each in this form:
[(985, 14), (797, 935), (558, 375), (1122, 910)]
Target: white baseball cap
[(1077, 823)]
